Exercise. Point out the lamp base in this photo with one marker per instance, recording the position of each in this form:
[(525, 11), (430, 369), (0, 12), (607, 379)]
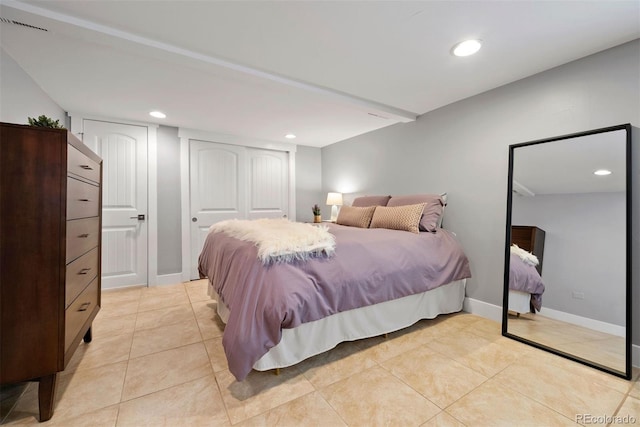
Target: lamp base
[(334, 213)]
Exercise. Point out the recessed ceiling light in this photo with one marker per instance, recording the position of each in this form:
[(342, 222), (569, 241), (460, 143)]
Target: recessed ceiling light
[(466, 48), (602, 172), (290, 136), (158, 114)]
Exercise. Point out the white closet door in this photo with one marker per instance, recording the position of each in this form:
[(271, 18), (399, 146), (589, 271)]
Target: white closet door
[(123, 149), (230, 181), (268, 192), (218, 189)]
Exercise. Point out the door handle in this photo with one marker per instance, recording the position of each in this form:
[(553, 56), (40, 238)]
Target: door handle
[(139, 217)]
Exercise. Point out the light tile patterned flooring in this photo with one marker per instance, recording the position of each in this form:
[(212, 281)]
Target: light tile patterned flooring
[(157, 360), (599, 347)]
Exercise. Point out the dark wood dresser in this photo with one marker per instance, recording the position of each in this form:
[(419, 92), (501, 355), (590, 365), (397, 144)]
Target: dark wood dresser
[(50, 240), (530, 239)]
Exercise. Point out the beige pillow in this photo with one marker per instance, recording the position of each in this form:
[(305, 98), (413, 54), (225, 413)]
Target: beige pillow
[(406, 218), (432, 215), (355, 216)]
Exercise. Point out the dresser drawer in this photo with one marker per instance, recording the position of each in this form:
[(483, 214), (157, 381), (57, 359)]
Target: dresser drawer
[(79, 273), (82, 235), (79, 164), (82, 199), (77, 314)]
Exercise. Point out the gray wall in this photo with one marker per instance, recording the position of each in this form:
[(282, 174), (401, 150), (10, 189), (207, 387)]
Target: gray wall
[(584, 251), (21, 97), (169, 217), (309, 182), (462, 148)]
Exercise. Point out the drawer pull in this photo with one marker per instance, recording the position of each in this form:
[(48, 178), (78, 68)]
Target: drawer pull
[(84, 271), (83, 236), (84, 200), (84, 306), (86, 167)]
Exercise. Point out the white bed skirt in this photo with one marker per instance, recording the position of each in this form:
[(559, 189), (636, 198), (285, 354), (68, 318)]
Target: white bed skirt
[(519, 301), (309, 339)]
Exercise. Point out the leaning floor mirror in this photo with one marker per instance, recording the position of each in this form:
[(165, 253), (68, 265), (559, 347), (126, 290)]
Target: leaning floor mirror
[(567, 279)]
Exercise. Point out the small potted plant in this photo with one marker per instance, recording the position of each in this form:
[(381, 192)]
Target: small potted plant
[(45, 122), (317, 217)]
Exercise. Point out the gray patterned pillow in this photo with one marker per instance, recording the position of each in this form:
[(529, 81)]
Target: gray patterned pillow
[(355, 216), (406, 218)]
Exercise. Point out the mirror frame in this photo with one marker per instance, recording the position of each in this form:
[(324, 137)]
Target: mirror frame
[(505, 296)]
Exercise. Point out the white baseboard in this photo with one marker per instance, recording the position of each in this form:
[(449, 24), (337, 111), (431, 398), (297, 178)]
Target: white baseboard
[(115, 288), (169, 279), (494, 312), (161, 280), (596, 325), (483, 309)]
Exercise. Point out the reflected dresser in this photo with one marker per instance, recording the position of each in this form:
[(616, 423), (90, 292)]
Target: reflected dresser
[(50, 207), (530, 239)]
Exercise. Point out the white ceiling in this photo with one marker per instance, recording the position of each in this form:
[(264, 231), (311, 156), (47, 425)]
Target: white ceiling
[(566, 166), (325, 71)]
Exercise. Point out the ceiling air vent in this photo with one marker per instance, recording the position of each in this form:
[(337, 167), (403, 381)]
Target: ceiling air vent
[(11, 21)]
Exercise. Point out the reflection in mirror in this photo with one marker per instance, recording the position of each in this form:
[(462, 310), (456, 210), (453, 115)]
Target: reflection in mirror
[(566, 273)]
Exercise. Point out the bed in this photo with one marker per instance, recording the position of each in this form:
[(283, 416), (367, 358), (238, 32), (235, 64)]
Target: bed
[(377, 281), (525, 283)]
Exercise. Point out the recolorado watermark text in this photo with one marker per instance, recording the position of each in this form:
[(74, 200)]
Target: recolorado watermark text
[(605, 419)]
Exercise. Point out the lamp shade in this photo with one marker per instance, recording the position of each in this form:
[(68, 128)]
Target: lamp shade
[(334, 199)]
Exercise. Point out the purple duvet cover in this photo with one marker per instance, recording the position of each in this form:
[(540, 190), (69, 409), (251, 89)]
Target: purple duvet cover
[(369, 266), (525, 278)]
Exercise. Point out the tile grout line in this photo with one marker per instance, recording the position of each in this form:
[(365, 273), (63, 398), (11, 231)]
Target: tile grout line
[(540, 403), (224, 403), (6, 416), (405, 383), (161, 351), (487, 378), (193, 311), (215, 376), (126, 371), (332, 407), (624, 399)]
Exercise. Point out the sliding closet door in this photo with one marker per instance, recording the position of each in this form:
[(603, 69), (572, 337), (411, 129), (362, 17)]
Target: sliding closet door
[(268, 184), (231, 181), (218, 182)]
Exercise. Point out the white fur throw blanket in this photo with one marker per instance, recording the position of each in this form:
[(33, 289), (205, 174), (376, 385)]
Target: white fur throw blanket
[(280, 240), (527, 257)]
